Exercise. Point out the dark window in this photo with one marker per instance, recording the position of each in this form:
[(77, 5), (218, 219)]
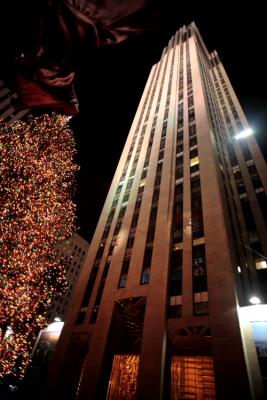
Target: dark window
[(190, 101), (194, 168), (115, 202), (191, 115), (125, 198), (129, 184), (196, 200), (197, 225), (194, 153), (155, 195), (180, 136), (179, 148), (179, 172), (195, 183), (122, 212), (176, 263), (245, 150), (256, 181), (262, 199), (130, 242), (192, 130), (248, 216), (162, 144), (119, 189), (161, 155), (157, 180), (144, 173), (110, 217), (134, 220), (193, 141), (117, 227), (106, 232)]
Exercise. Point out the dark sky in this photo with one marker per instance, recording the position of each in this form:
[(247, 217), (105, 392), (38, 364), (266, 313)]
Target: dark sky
[(110, 81)]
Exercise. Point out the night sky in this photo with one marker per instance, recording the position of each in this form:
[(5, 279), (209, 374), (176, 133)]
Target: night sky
[(110, 81)]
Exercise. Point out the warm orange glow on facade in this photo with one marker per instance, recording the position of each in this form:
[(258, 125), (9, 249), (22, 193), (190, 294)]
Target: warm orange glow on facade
[(122, 384), (192, 378)]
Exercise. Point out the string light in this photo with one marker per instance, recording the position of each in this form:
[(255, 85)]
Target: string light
[(36, 212)]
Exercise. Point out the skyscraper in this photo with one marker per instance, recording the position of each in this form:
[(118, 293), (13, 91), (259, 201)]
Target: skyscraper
[(162, 308), (73, 252)]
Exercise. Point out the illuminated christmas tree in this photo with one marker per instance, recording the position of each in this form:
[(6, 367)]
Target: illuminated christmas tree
[(36, 212)]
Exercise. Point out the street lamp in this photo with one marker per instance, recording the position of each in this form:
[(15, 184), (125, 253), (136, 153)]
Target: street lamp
[(254, 300)]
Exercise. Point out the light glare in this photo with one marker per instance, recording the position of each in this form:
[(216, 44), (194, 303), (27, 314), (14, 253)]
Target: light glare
[(244, 133), (254, 300)]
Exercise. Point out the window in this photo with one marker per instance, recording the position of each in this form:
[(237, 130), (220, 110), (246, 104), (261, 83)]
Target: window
[(193, 154), (191, 115), (190, 101), (179, 148), (193, 141), (195, 183), (194, 161), (192, 130), (125, 198), (122, 212), (115, 202), (124, 273), (180, 136), (201, 297), (146, 265), (134, 220), (155, 195), (129, 184), (192, 376), (145, 276), (179, 172), (161, 155), (157, 180), (245, 150), (130, 242), (118, 189), (248, 215), (176, 263), (162, 143), (197, 225), (144, 173), (117, 228)]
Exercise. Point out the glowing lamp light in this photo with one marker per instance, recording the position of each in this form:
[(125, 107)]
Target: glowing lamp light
[(57, 319), (254, 300), (8, 332), (243, 134), (55, 327)]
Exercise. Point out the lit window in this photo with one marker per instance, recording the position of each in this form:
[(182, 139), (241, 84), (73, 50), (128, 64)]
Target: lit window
[(198, 241), (178, 246), (200, 297), (142, 183), (175, 300), (261, 265), (194, 161)]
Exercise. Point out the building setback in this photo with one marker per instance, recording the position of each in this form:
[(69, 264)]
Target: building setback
[(161, 309)]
